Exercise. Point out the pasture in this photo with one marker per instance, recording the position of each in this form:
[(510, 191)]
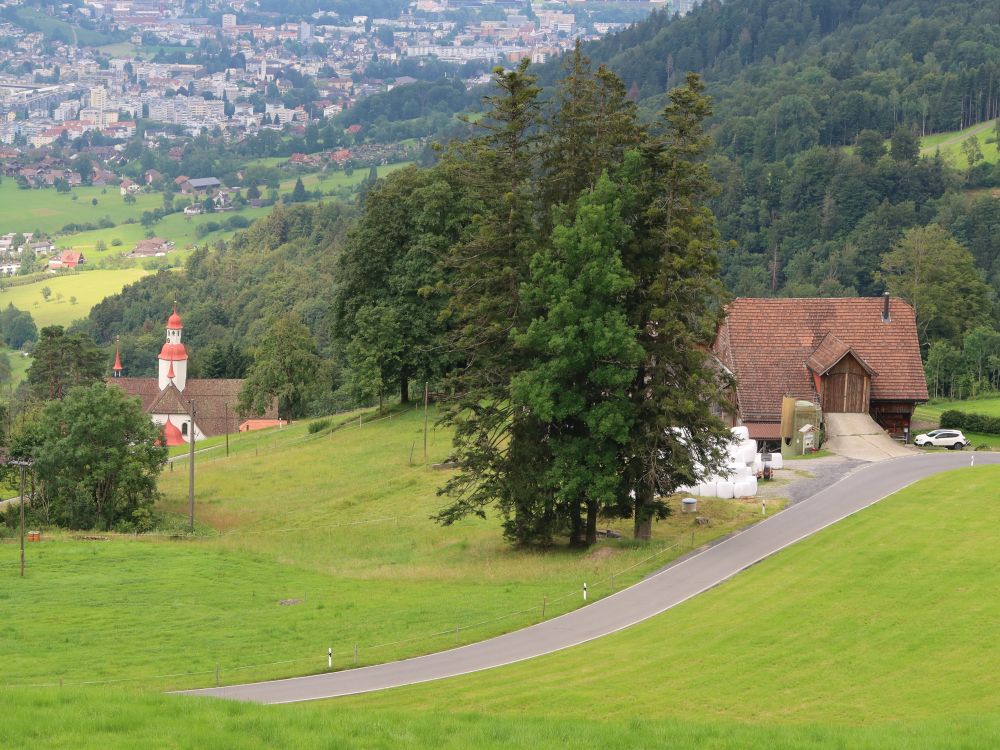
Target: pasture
[(878, 632), (304, 542), (88, 288)]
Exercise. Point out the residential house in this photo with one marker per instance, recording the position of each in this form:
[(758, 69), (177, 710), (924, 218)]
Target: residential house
[(68, 259)]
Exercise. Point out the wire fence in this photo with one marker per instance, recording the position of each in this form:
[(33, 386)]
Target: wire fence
[(353, 652)]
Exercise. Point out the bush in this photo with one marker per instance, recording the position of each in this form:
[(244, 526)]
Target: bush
[(971, 421), (318, 426)]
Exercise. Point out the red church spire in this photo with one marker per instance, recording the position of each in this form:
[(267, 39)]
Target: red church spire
[(170, 372), (174, 321), (118, 360)]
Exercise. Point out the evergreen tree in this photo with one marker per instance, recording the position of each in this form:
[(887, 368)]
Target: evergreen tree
[(62, 360), (299, 194), (676, 305), (591, 125), (583, 356), (485, 275)]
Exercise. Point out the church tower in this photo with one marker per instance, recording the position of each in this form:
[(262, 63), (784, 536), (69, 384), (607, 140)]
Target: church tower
[(173, 356)]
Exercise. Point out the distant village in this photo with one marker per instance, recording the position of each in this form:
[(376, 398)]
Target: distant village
[(234, 74)]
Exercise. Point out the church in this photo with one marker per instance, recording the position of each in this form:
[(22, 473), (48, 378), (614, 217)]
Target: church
[(168, 398)]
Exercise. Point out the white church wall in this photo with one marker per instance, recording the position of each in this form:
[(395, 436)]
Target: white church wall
[(180, 423)]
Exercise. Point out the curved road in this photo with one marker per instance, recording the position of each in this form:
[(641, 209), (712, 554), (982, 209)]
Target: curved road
[(645, 599)]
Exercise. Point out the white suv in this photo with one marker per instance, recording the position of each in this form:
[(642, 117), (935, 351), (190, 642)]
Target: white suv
[(953, 439)]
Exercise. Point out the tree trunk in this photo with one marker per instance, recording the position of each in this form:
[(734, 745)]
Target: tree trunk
[(591, 523), (404, 389), (576, 532), (643, 512)]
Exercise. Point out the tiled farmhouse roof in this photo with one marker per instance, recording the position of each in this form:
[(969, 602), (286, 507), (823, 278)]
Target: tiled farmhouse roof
[(771, 344)]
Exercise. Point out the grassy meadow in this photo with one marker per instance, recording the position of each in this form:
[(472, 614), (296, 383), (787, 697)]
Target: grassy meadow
[(878, 632), (88, 287), (930, 413), (950, 144), (47, 210), (304, 542)]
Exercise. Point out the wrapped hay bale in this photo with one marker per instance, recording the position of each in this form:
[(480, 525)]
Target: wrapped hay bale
[(725, 490), (743, 433), (746, 487)]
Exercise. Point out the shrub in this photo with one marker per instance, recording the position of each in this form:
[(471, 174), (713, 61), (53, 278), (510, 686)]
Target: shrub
[(971, 421), (318, 426), (953, 419)]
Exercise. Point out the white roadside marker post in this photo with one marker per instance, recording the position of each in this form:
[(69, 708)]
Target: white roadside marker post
[(585, 591), (329, 657)]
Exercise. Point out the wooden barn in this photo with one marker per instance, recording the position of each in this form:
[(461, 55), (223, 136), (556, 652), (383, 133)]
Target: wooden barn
[(844, 354)]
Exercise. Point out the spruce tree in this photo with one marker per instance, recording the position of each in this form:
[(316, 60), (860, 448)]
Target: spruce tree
[(675, 305), (485, 274)]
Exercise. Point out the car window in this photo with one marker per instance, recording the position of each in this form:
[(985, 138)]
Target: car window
[(933, 433)]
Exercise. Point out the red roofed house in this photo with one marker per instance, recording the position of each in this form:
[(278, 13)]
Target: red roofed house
[(67, 259), (844, 354), (167, 397)]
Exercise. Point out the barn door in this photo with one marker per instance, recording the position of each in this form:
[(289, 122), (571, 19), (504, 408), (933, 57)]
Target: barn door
[(845, 387)]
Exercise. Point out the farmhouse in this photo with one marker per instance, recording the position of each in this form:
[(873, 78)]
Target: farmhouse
[(844, 354), (199, 185), (67, 259), (167, 398), (152, 247)]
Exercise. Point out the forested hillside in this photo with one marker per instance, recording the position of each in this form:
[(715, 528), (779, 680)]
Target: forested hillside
[(818, 112)]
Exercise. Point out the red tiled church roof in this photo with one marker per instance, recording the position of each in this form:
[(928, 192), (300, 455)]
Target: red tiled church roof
[(770, 345)]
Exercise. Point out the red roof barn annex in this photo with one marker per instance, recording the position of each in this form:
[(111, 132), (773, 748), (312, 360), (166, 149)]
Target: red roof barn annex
[(845, 354)]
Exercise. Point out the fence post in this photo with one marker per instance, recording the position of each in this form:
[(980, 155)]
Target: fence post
[(217, 675)]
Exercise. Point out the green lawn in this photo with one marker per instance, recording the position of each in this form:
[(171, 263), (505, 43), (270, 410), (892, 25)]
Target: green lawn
[(178, 227), (48, 211), (950, 144), (931, 413), (338, 521), (887, 616), (88, 287), (878, 632)]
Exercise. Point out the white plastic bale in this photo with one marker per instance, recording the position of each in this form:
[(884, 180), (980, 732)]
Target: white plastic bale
[(706, 489), (739, 471), (741, 432), (748, 452), (746, 487), (776, 461), (758, 464), (725, 490)]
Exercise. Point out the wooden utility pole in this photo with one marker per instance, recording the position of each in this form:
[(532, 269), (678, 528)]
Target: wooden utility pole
[(226, 407), (23, 463), (191, 467), (426, 398)]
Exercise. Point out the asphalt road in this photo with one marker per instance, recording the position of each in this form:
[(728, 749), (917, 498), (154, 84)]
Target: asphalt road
[(645, 599)]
